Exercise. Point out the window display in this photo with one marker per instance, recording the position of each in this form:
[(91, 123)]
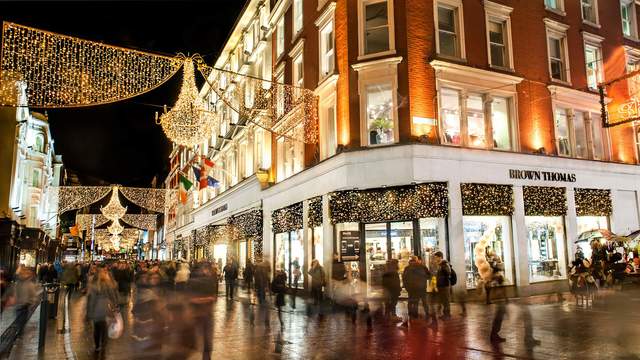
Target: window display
[(498, 228), (432, 239), (587, 223), (290, 256), (282, 252), (380, 120), (545, 235), (377, 255), (315, 234)]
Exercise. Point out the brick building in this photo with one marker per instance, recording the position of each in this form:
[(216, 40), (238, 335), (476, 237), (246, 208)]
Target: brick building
[(455, 125)]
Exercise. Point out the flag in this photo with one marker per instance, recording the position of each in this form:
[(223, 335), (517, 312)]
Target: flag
[(212, 182), (201, 176), (185, 185), (207, 164)]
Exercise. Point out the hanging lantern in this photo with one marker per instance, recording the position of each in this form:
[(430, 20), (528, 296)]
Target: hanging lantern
[(188, 123), (116, 228), (114, 210)]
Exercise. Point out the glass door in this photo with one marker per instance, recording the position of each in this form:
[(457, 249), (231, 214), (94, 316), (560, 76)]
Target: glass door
[(376, 236), (401, 234)]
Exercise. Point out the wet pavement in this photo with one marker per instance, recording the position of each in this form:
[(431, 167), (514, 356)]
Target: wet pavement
[(609, 330)]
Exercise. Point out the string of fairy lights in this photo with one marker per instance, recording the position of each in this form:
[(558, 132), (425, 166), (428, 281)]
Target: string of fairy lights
[(487, 199), (315, 212), (141, 221), (156, 200), (85, 221), (287, 219), (67, 198), (593, 202), (545, 201), (114, 209)]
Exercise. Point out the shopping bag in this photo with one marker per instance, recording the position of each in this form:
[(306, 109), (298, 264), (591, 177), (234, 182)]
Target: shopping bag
[(116, 326)]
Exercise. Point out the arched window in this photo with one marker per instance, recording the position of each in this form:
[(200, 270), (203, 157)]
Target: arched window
[(39, 146)]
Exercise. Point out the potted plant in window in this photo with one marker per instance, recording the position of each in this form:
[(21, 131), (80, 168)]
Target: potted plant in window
[(380, 130)]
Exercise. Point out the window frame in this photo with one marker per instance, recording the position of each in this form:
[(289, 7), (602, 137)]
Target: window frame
[(633, 19), (632, 56), (328, 144), (297, 20), (280, 40), (325, 19), (594, 42), (558, 10), (499, 13), (558, 31), (362, 54), (571, 110), (594, 5), (458, 8)]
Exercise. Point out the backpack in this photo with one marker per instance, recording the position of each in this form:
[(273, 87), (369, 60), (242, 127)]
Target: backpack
[(453, 277)]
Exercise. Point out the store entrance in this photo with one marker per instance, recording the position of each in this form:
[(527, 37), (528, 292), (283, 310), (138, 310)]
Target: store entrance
[(383, 241)]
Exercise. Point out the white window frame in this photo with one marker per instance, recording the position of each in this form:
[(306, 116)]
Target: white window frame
[(558, 10), (326, 19), (280, 93), (558, 30), (457, 6), (632, 55), (327, 95), (594, 4), (499, 13), (377, 72), (594, 42), (297, 56), (361, 23), (280, 37), (633, 19), (298, 18)]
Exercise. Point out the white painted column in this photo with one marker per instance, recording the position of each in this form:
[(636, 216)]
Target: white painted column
[(520, 246), (615, 223), (327, 241), (456, 235), (306, 248), (267, 236), (571, 224)]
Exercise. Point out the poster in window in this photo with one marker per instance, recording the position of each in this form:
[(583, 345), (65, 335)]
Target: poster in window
[(350, 245)]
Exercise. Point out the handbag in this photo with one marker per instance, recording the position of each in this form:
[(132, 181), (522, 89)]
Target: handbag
[(116, 325)]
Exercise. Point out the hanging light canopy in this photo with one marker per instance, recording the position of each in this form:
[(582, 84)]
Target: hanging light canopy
[(188, 123), (115, 228), (114, 210), (115, 241)]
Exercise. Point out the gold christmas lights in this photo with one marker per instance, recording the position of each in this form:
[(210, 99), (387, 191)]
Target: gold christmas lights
[(127, 237), (315, 211), (65, 71), (287, 219), (141, 221), (279, 108), (545, 201), (149, 198), (187, 123), (487, 199), (67, 198), (593, 202), (114, 210), (115, 228), (84, 221)]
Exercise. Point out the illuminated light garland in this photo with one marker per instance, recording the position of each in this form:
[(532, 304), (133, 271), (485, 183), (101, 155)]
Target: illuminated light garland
[(393, 203), (287, 219), (67, 198), (187, 123), (149, 198), (142, 221), (282, 109), (487, 199), (115, 228), (128, 236), (545, 201), (84, 221), (593, 202), (114, 210), (65, 71), (315, 212)]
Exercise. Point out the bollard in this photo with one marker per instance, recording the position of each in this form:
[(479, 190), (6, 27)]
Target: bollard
[(53, 313), (43, 318)]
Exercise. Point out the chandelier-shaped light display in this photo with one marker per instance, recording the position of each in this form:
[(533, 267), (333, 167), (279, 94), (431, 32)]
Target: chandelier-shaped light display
[(114, 210), (187, 123), (115, 228), (115, 241)]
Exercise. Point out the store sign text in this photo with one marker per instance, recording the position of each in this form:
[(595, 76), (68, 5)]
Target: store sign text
[(541, 175), (219, 209)]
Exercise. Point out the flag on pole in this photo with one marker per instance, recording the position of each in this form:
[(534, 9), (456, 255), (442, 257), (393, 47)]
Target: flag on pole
[(212, 182), (185, 185), (201, 176), (207, 164)]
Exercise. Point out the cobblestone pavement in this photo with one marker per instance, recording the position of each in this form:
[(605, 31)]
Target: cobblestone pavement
[(607, 331)]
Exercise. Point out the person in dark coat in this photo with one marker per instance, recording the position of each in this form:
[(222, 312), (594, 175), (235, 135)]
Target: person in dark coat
[(317, 283), (392, 289), (279, 288), (414, 278), (248, 275), (102, 299), (230, 276), (443, 281), (202, 286), (262, 280)]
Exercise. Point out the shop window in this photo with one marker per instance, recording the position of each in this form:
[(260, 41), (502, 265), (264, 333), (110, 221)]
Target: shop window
[(432, 240), (468, 125), (593, 59), (297, 16), (280, 37), (376, 22), (380, 113), (220, 255), (318, 244), (580, 134), (546, 239), (290, 256), (628, 17), (327, 51), (589, 11), (587, 223), (449, 24), (377, 255), (496, 230)]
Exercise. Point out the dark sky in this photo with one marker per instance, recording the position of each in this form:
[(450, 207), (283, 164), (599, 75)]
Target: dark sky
[(120, 143)]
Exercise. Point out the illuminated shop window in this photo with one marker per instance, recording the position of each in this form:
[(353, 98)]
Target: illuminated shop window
[(497, 230), (546, 238)]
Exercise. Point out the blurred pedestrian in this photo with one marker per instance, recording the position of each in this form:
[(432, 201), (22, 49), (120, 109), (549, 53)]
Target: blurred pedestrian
[(25, 293), (202, 288), (70, 277), (102, 300), (443, 283), (230, 275), (392, 289), (182, 276), (414, 278), (279, 288), (248, 275), (317, 283), (297, 273), (148, 317), (262, 280)]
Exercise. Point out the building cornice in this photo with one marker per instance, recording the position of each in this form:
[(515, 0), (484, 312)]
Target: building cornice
[(449, 68), (372, 64)]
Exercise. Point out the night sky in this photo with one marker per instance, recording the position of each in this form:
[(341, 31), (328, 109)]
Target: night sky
[(120, 143)]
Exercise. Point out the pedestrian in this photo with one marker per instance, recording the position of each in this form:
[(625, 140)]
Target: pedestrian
[(25, 293), (262, 281), (317, 282), (70, 277), (414, 278), (499, 314), (102, 300), (279, 288), (248, 275), (392, 289), (296, 278), (148, 317), (497, 272), (230, 275), (182, 276), (202, 288), (443, 282)]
